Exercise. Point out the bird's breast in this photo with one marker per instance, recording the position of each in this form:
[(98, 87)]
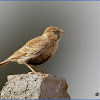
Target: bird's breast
[(44, 55)]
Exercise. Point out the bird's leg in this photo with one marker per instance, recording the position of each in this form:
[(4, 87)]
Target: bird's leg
[(33, 71), (38, 69)]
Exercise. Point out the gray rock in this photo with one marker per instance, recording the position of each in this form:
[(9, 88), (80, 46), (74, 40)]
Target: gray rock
[(35, 86)]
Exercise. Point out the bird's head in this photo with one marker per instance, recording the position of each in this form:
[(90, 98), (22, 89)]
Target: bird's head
[(53, 33)]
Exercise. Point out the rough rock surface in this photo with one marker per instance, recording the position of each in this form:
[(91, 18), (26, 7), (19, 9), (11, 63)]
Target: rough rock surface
[(35, 86)]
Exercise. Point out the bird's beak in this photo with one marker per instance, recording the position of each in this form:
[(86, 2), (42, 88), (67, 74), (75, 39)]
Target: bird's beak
[(62, 32)]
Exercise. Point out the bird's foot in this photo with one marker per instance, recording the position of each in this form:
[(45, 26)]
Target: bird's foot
[(30, 73), (35, 73)]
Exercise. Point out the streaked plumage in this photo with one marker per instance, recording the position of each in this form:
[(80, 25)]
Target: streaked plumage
[(37, 50)]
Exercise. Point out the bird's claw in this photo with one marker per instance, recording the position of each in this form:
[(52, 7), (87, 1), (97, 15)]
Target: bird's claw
[(35, 72)]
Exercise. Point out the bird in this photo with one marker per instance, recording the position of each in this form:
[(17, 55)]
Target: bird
[(37, 50)]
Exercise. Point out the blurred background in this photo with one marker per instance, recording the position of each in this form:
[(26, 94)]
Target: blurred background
[(78, 56)]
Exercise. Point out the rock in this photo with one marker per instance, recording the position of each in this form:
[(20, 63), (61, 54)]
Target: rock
[(35, 86)]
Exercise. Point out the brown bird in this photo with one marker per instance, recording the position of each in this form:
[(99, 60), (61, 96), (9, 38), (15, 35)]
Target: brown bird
[(37, 50)]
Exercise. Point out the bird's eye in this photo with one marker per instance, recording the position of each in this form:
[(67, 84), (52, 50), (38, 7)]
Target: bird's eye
[(53, 31)]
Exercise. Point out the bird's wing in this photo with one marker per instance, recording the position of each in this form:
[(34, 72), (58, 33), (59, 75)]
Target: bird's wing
[(33, 46)]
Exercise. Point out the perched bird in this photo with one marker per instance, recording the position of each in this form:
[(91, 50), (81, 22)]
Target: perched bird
[(38, 50)]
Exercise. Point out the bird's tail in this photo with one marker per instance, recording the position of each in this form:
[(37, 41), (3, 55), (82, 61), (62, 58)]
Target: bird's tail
[(4, 62)]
